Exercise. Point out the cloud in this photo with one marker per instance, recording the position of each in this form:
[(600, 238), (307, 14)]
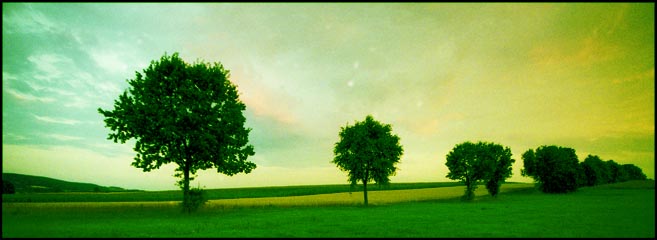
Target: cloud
[(596, 44), (109, 60), (28, 97), (62, 137), (13, 137), (566, 54), (50, 65), (261, 100), (8, 76), (76, 102), (25, 19), (56, 120), (428, 126), (616, 20), (639, 76), (35, 86)]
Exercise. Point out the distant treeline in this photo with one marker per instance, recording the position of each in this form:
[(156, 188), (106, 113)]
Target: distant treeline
[(20, 183), (556, 169), (594, 171)]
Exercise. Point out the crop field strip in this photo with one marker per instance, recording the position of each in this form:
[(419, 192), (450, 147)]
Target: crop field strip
[(211, 194), (354, 198)]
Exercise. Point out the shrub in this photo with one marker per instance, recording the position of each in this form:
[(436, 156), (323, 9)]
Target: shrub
[(195, 199)]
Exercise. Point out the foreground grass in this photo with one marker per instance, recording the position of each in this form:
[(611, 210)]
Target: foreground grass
[(589, 212)]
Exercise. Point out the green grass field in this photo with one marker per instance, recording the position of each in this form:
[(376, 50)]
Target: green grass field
[(618, 210)]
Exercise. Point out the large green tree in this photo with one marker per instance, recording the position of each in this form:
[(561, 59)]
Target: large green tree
[(482, 161), (368, 151), (554, 168), (187, 114), (500, 158), (464, 165)]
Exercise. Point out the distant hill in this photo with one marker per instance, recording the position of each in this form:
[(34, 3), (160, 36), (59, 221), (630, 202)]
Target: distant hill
[(29, 184)]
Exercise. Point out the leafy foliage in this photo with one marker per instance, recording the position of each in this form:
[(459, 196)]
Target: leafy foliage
[(597, 172), (554, 168), (187, 114), (482, 161), (633, 172), (615, 173), (464, 165), (500, 158), (368, 151)]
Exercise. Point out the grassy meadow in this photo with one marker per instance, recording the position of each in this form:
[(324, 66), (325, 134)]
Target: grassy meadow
[(615, 210)]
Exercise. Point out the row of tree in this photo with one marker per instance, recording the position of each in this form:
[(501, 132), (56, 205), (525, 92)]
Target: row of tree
[(191, 115), (593, 171), (557, 170), (368, 151)]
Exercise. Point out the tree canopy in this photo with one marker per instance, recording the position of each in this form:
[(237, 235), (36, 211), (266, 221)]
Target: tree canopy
[(482, 161), (633, 172), (500, 159), (187, 114), (595, 171), (554, 168), (368, 151)]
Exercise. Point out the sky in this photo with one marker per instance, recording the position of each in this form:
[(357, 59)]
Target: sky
[(522, 75)]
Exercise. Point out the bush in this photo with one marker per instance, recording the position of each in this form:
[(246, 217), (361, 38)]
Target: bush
[(195, 199)]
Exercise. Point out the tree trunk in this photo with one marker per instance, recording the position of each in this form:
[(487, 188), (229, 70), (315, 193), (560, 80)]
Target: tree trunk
[(469, 192), (365, 184), (365, 191), (186, 187)]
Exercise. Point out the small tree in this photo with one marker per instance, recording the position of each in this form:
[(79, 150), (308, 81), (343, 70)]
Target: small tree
[(554, 168), (185, 114), (470, 163), (368, 151)]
